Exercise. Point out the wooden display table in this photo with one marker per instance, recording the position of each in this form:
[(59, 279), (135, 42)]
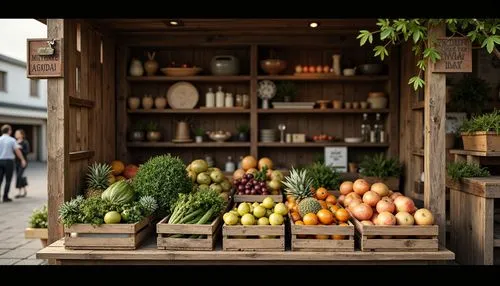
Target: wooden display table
[(478, 157), (472, 211), (149, 254)]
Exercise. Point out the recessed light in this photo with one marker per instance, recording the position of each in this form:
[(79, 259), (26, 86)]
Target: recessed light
[(313, 25), (174, 23)]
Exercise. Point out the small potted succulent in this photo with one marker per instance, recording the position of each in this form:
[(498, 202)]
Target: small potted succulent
[(285, 91), (198, 133), (243, 133), (378, 168), (38, 228), (482, 133), (153, 134), (137, 133)]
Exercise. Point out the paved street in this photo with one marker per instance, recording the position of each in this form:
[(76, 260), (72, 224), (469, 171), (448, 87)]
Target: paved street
[(14, 249)]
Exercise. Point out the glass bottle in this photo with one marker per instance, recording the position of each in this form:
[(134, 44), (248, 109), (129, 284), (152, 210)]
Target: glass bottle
[(219, 97), (210, 98), (238, 100), (246, 101), (379, 129), (365, 128), (230, 167)]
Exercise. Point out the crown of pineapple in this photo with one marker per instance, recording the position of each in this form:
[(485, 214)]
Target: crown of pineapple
[(298, 184), (98, 176)]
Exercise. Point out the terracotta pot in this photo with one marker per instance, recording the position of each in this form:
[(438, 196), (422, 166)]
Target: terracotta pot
[(348, 105), (160, 102), (355, 105), (337, 104), (147, 102), (151, 66), (377, 102), (134, 103), (364, 104), (153, 136)]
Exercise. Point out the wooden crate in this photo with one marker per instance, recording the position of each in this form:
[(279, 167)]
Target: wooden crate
[(481, 141), (246, 237), (404, 237), (209, 231), (107, 236), (310, 244), (37, 233)]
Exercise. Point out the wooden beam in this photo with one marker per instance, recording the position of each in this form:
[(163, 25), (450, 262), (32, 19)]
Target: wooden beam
[(80, 102), (80, 155), (57, 128), (434, 142)]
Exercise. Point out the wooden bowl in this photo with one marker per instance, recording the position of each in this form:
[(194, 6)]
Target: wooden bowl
[(272, 66), (181, 71)]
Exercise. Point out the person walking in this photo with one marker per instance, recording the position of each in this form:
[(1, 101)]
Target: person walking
[(21, 181), (8, 151)]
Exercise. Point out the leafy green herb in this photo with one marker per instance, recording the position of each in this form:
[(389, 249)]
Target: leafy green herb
[(379, 166), (243, 128), (152, 126), (323, 176), (285, 88), (39, 218), (199, 131), (459, 170), (485, 122)]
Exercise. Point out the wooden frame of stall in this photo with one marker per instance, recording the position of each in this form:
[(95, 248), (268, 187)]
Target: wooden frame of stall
[(83, 106)]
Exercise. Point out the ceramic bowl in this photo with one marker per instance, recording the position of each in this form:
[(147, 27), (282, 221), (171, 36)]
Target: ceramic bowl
[(272, 66), (353, 140), (370, 69), (349, 72), (219, 136)]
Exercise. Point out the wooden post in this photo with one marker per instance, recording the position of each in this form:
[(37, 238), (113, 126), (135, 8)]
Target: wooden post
[(434, 143), (57, 139)]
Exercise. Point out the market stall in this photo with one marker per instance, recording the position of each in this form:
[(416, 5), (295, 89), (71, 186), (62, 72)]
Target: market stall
[(221, 90)]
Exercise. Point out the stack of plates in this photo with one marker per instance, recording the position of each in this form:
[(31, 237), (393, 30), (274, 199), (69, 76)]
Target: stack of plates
[(267, 135)]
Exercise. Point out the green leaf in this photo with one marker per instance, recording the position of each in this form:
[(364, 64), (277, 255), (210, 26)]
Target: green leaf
[(421, 64), (472, 35), (381, 51), (417, 82), (370, 38), (496, 39), (416, 36), (386, 33), (490, 45)]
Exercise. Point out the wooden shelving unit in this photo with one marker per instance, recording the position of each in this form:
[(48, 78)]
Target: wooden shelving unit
[(190, 111), (322, 111), (324, 77), (314, 144), (188, 145), (200, 78)]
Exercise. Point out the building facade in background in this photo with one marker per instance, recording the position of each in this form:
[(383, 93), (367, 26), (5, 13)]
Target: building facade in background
[(23, 105)]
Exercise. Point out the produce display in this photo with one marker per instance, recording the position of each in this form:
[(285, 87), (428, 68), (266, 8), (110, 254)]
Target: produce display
[(309, 207), (322, 138), (117, 204), (163, 177), (377, 205), (323, 176), (313, 69), (266, 213), (205, 178), (257, 177)]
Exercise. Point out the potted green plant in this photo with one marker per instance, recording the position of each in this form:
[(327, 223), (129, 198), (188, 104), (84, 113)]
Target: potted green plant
[(459, 170), (243, 130), (38, 226), (198, 133), (153, 134), (137, 133), (481, 133), (323, 176), (469, 95), (378, 168), (285, 91)]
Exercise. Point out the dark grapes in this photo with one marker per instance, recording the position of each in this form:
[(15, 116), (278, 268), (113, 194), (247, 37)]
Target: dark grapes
[(266, 193), (252, 192), (249, 176), (248, 186), (241, 188), (256, 187), (247, 192), (244, 181), (263, 189), (262, 184)]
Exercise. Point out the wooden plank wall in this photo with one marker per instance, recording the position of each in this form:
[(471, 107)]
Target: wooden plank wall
[(87, 109)]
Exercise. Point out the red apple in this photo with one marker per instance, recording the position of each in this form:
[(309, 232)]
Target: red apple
[(385, 206), (305, 69), (319, 68), (312, 69), (326, 69), (404, 204), (371, 198), (362, 212), (130, 171), (381, 189), (374, 217), (404, 218), (386, 218), (423, 217), (395, 195)]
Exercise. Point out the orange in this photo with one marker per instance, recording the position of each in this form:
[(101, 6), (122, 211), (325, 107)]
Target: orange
[(338, 237), (334, 209), (310, 219), (321, 193), (331, 199), (295, 208), (290, 199), (322, 236), (323, 204), (249, 162), (325, 217), (295, 216), (299, 222), (117, 167), (291, 205), (342, 215)]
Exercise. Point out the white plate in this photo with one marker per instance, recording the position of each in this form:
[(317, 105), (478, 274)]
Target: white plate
[(353, 140), (182, 95)]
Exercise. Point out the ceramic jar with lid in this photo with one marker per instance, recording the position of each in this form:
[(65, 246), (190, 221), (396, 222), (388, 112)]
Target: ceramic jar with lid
[(134, 103), (210, 98), (136, 68), (229, 101), (219, 97), (160, 102), (147, 102), (151, 65)]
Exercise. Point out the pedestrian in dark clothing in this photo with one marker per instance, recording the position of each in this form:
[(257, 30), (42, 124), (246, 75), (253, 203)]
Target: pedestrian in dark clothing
[(8, 151), (21, 180)]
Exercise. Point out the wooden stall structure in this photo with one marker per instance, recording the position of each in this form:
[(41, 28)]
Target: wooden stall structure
[(89, 120)]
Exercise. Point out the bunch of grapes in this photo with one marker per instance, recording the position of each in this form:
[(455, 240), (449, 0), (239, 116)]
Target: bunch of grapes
[(248, 185)]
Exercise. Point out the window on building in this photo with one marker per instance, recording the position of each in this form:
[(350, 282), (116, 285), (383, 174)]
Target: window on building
[(34, 87), (3, 81)]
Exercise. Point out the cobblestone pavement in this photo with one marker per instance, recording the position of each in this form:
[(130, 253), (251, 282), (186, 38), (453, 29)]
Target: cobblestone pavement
[(14, 249)]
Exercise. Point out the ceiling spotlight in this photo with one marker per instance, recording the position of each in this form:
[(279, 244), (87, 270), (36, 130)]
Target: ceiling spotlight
[(174, 23), (313, 25)]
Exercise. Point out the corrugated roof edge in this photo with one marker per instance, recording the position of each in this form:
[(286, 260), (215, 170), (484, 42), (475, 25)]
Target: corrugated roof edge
[(4, 58)]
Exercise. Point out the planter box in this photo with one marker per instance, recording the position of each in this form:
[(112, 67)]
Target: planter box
[(207, 242), (404, 238), (246, 237), (107, 236), (37, 233), (481, 141), (312, 244), (392, 182)]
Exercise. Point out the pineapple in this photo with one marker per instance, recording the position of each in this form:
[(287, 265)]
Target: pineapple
[(97, 179), (298, 184)]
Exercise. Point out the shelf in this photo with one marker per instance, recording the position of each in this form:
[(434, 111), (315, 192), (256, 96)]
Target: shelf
[(475, 153), (322, 111), (201, 78), (196, 110), (314, 144), (418, 152), (188, 145), (324, 77)]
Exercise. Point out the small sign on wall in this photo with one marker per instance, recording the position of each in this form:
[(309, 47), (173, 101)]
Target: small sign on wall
[(456, 55), (336, 157), (45, 58)]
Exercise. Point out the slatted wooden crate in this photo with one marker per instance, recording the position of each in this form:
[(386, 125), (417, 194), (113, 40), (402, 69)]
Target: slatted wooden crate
[(209, 233), (107, 236), (256, 198), (301, 240), (247, 237), (402, 237)]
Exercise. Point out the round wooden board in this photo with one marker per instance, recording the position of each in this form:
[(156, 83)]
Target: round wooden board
[(182, 95)]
